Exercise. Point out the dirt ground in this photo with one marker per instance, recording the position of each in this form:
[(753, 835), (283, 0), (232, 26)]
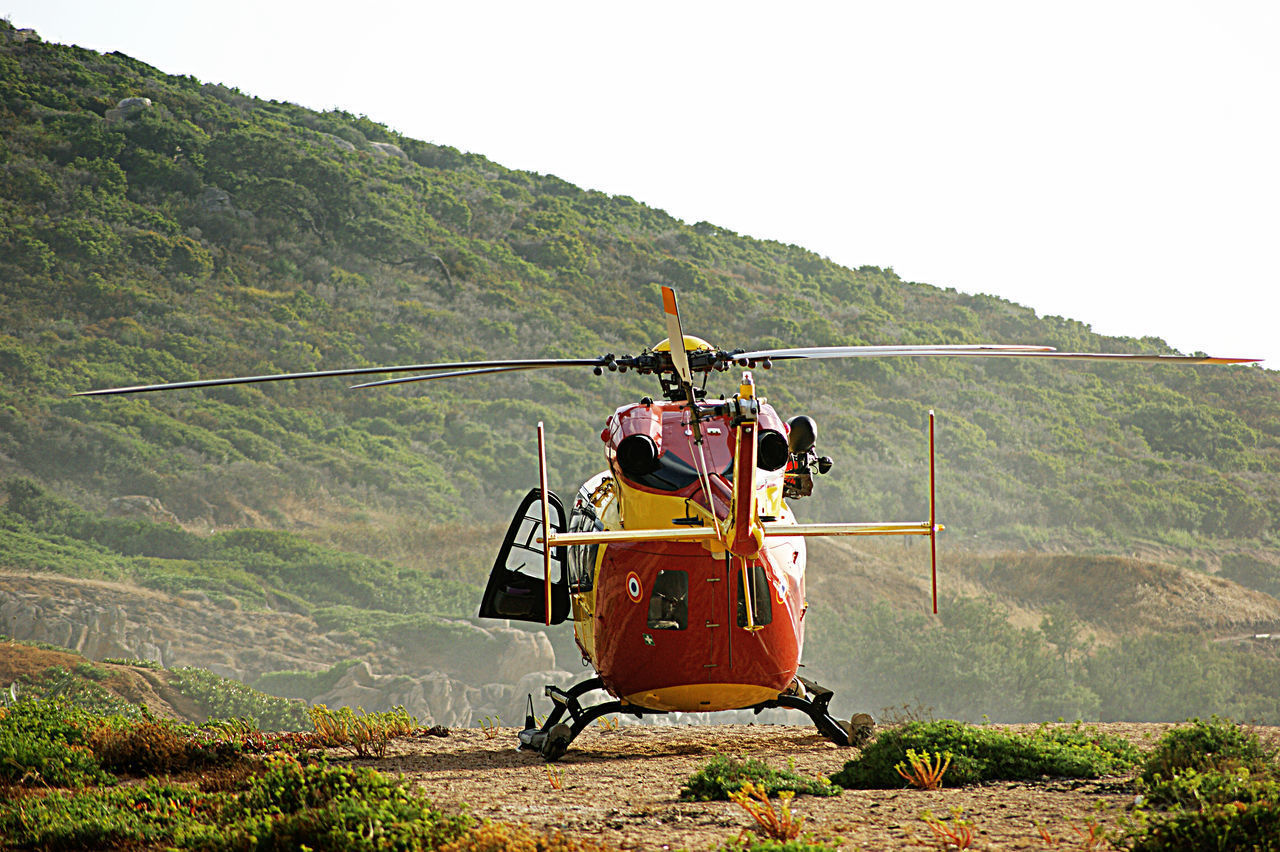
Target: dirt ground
[(622, 787)]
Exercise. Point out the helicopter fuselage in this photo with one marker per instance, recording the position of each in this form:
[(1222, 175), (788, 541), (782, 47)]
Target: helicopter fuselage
[(679, 625)]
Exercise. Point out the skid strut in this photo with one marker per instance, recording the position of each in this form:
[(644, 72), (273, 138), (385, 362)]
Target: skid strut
[(552, 738), (812, 699)]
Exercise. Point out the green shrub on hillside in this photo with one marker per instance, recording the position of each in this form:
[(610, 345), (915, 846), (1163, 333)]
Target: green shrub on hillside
[(981, 753), (971, 662), (300, 684), (77, 686), (223, 698), (256, 569)]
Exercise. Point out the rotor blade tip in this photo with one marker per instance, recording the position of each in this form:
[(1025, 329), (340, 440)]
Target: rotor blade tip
[(669, 300)]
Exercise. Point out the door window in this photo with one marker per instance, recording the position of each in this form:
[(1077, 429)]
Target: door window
[(669, 601), (761, 601)]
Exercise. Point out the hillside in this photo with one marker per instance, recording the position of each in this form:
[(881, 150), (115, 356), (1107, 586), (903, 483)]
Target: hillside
[(156, 227), (209, 233)]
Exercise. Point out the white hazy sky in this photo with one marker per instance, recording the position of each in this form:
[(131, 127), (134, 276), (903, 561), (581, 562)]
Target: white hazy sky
[(1113, 162)]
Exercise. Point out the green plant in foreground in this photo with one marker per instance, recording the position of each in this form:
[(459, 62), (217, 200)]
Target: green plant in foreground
[(724, 775), (1218, 744), (1236, 825), (366, 734), (150, 814), (956, 832), (286, 806), (147, 747), (489, 724), (926, 769), (508, 837), (45, 743), (981, 753), (764, 844), (1192, 789), (774, 824)]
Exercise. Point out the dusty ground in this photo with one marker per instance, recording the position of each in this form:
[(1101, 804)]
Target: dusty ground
[(622, 787)]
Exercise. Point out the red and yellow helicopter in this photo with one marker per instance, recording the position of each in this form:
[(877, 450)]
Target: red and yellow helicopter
[(681, 565)]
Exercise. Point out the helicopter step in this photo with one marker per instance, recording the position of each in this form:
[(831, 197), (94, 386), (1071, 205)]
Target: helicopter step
[(553, 737)]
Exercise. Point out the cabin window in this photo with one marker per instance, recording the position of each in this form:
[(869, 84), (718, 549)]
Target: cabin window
[(761, 597), (669, 601), (582, 557)]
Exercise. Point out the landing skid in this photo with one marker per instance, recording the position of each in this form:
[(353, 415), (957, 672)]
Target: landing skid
[(811, 699), (552, 739)]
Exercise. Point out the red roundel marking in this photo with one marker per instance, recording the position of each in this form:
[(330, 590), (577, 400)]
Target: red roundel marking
[(633, 587)]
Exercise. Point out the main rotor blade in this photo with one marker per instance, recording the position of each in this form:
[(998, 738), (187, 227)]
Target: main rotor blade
[(675, 335), (461, 366), (432, 376), (978, 350)]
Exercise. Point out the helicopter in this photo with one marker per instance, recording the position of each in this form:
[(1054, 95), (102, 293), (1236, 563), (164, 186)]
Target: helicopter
[(682, 563)]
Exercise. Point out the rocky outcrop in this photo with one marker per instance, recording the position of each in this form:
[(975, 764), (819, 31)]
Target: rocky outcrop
[(128, 108), (485, 673), (214, 199), (140, 506), (336, 141), (439, 699), (386, 149)]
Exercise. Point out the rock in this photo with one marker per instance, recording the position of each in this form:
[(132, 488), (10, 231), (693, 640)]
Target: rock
[(337, 141), (522, 652), (532, 684), (353, 696), (359, 675), (386, 149), (140, 506), (127, 108), (438, 693)]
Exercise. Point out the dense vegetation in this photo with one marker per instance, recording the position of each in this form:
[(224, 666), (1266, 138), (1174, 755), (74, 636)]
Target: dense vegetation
[(212, 233), (237, 802), (969, 662), (255, 568)]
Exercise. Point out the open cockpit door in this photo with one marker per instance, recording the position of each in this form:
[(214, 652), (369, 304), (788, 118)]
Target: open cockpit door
[(517, 588)]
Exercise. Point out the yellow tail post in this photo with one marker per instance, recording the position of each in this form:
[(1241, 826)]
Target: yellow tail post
[(933, 523)]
